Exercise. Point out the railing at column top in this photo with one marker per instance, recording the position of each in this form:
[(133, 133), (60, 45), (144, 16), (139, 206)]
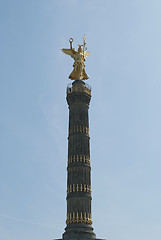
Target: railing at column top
[(79, 88)]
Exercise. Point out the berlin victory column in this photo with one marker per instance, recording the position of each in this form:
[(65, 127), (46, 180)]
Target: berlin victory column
[(79, 217)]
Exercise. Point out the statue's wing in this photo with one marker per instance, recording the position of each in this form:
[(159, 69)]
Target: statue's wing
[(86, 54), (68, 51)]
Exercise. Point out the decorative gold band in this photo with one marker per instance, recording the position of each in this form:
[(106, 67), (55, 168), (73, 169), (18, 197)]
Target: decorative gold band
[(78, 158), (78, 187), (79, 129), (76, 218)]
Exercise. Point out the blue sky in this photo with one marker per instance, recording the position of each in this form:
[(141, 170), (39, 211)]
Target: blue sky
[(124, 38)]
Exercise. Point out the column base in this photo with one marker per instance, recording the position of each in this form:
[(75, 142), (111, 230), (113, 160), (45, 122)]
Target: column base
[(81, 239), (79, 231)]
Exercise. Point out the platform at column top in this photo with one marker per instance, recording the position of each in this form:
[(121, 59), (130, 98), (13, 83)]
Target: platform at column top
[(78, 86)]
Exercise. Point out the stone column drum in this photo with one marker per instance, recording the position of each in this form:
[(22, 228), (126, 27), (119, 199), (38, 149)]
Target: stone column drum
[(79, 217)]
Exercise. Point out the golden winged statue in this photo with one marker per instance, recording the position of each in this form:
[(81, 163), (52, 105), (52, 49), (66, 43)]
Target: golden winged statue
[(79, 56)]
